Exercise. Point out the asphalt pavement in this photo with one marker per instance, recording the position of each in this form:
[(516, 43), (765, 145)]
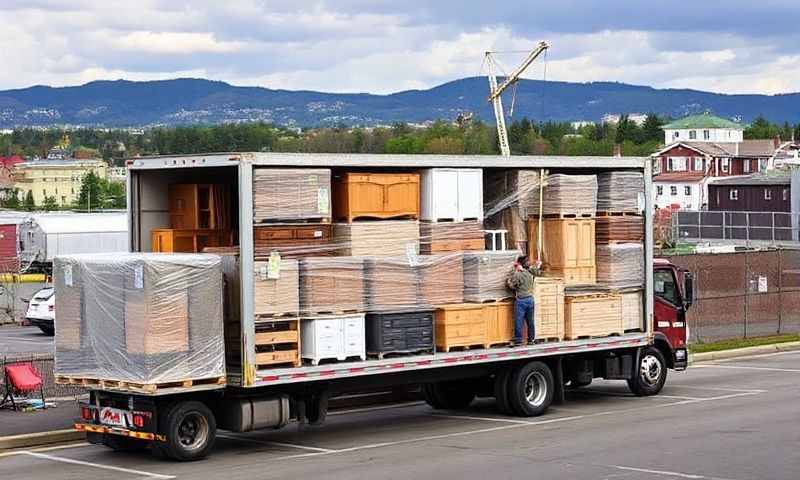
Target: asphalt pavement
[(16, 340), (731, 420)]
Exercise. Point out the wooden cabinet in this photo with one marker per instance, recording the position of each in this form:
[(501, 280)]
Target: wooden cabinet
[(460, 325), (499, 322), (399, 332), (169, 240), (293, 240), (592, 315), (277, 343), (454, 194), (376, 195), (197, 206), (568, 247), (336, 337), (276, 296)]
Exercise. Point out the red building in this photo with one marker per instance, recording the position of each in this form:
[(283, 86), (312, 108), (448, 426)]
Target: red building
[(760, 192)]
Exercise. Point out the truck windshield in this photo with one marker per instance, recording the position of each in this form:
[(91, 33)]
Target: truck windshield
[(664, 286)]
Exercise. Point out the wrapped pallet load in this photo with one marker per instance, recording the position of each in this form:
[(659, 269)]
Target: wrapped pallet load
[(486, 273), (386, 237), (619, 191), (620, 265), (148, 319), (286, 194), (509, 196)]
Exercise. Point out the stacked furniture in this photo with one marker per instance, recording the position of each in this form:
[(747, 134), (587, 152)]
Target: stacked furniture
[(619, 191), (452, 194), (567, 195), (441, 278), (438, 237), (619, 229), (465, 325), (278, 296), (277, 342), (198, 217), (391, 284), (486, 274), (620, 265), (293, 240), (291, 194), (548, 295), (388, 237), (334, 337), (399, 332), (332, 285), (510, 196), (175, 302)]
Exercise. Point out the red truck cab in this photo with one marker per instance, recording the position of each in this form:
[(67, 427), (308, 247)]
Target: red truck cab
[(673, 290)]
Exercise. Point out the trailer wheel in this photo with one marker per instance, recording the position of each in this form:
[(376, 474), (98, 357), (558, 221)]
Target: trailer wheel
[(317, 408), (501, 390), (651, 375), (531, 389), (190, 430), (449, 395)]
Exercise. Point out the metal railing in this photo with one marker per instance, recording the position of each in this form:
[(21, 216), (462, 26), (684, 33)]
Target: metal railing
[(775, 228)]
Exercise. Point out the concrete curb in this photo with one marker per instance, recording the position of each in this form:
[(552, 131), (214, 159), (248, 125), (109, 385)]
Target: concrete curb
[(42, 438), (743, 352)]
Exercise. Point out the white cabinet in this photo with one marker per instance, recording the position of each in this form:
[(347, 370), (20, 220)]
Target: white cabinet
[(452, 194), (336, 337)]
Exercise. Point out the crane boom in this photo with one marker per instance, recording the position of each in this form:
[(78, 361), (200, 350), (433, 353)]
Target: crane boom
[(496, 90)]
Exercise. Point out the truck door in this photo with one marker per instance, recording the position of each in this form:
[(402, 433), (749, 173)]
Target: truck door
[(670, 314)]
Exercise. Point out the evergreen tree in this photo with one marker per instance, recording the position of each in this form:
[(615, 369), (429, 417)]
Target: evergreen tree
[(90, 196), (50, 204), (651, 129), (29, 204), (12, 200)]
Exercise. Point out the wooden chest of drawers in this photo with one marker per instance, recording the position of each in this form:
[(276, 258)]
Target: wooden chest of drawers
[(399, 332), (460, 325), (286, 194), (592, 315), (336, 337), (376, 195), (276, 296), (332, 284), (169, 240), (293, 240)]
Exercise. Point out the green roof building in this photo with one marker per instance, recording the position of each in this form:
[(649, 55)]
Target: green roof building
[(703, 128)]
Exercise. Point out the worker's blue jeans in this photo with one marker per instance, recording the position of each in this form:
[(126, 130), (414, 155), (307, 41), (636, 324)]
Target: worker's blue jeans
[(523, 313)]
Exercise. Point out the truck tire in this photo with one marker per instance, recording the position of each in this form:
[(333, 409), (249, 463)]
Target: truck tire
[(651, 375), (531, 389), (449, 395), (190, 430), (501, 391)]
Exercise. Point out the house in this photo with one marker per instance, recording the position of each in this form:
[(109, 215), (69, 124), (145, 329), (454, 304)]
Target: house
[(703, 128), (57, 178), (682, 169), (759, 192)]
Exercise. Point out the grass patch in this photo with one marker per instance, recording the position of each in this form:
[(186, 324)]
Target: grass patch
[(742, 343)]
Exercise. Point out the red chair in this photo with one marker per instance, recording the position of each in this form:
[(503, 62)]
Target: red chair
[(21, 379)]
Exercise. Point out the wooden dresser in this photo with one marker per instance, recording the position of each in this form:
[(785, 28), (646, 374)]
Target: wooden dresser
[(336, 337), (168, 240), (399, 332), (460, 325), (592, 315), (376, 195), (568, 248), (293, 240), (499, 318)]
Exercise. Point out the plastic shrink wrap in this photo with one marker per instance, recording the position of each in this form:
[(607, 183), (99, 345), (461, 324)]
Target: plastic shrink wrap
[(620, 265), (141, 318), (285, 194), (619, 191)]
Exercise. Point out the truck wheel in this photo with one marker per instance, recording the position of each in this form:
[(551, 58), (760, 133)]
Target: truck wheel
[(449, 395), (317, 408), (501, 391), (530, 389), (651, 375), (190, 430)]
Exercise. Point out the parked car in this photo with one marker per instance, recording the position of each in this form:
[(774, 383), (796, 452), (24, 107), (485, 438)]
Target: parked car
[(41, 310)]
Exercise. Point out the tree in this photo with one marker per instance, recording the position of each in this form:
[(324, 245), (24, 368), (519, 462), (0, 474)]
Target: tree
[(29, 204), (50, 203), (651, 128), (11, 200), (761, 128), (91, 193)]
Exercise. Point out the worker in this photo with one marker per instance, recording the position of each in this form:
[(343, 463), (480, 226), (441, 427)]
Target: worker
[(521, 282)]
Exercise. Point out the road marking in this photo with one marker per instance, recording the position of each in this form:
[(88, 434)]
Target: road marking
[(678, 397), (720, 389), (98, 465), (632, 396), (276, 444), (378, 407), (745, 367), (44, 449), (485, 419), (665, 472)]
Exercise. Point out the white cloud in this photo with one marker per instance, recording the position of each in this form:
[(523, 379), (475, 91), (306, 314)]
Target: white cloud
[(174, 43)]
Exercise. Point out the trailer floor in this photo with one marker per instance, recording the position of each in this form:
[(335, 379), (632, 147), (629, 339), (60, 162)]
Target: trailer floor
[(734, 420)]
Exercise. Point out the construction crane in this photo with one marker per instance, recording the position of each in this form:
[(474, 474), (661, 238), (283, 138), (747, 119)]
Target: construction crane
[(495, 91)]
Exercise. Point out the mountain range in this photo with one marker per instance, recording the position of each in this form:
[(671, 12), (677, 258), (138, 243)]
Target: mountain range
[(123, 103)]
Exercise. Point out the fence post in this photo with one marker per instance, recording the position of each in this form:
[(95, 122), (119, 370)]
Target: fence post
[(746, 285), (780, 290), (699, 225), (773, 228), (724, 216), (747, 227)]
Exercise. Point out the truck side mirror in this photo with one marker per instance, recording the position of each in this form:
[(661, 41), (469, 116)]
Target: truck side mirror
[(688, 289)]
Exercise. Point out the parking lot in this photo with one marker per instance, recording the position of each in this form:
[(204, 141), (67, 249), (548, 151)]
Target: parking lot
[(734, 420), (16, 340)]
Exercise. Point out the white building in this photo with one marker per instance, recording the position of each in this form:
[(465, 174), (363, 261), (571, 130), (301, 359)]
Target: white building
[(703, 128)]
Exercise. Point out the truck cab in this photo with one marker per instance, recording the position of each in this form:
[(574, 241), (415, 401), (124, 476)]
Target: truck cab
[(673, 295)]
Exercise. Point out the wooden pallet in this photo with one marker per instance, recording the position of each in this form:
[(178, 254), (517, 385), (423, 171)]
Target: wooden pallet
[(618, 214), (150, 388), (453, 220), (276, 317), (547, 340), (491, 300), (279, 358), (567, 215), (459, 348), (314, 313), (590, 337)]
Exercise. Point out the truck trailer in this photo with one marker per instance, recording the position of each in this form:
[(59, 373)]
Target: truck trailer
[(179, 419)]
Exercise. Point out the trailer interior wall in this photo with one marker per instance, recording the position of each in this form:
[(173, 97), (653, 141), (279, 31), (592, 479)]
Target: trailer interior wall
[(148, 181)]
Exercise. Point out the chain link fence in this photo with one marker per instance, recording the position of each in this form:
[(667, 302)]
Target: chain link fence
[(743, 294)]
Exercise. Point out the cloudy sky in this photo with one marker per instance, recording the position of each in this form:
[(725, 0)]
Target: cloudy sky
[(379, 46)]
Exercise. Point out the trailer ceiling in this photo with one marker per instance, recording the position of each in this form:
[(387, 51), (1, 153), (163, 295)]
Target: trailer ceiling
[(363, 160)]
